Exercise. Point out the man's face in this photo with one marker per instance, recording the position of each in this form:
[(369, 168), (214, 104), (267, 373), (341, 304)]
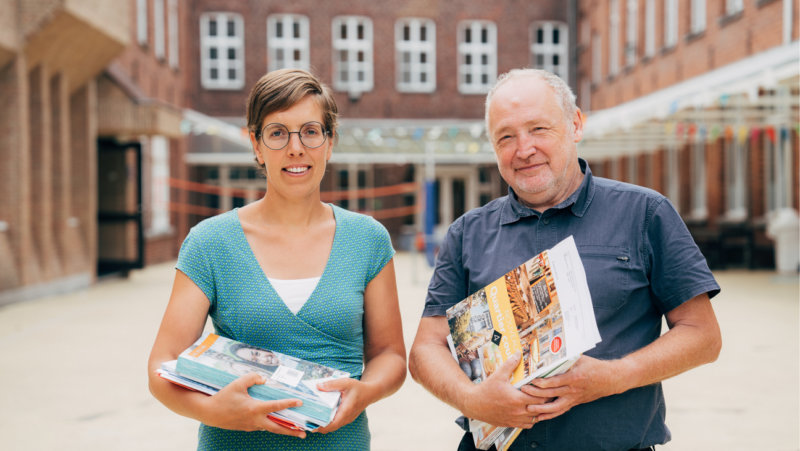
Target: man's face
[(534, 142)]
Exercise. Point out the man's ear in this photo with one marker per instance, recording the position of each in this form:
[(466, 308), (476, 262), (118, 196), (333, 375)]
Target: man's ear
[(577, 125)]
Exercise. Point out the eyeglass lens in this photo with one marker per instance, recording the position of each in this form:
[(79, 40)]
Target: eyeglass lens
[(276, 136)]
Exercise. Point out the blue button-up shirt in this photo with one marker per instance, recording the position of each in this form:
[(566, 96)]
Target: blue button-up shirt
[(640, 263)]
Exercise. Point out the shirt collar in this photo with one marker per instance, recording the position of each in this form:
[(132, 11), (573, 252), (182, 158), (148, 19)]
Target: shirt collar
[(577, 202)]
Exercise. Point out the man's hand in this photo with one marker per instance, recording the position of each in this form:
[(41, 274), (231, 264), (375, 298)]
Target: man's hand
[(496, 401)]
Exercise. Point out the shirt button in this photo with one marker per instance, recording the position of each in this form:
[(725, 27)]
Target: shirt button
[(546, 221), (534, 445)]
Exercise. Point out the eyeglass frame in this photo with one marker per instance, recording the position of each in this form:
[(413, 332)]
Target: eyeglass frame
[(325, 133)]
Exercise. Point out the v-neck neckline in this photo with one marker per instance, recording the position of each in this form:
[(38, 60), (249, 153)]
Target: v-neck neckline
[(264, 276)]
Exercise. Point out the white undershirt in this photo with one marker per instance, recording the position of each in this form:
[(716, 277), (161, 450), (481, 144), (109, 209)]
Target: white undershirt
[(294, 292)]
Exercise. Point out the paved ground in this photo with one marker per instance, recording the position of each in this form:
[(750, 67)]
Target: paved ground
[(73, 372)]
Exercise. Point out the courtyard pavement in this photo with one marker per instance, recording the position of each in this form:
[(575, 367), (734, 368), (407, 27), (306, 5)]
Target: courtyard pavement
[(73, 372)]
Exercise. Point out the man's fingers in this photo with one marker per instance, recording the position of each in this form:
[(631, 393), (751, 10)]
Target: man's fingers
[(507, 368)]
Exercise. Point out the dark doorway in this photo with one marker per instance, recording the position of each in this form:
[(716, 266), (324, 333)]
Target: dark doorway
[(119, 207)]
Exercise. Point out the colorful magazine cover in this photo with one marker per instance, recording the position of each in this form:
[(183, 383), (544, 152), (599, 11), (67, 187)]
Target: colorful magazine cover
[(541, 309), (216, 361)]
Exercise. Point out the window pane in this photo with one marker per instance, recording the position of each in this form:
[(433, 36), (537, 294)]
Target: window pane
[(232, 74), (555, 35), (279, 30), (406, 33), (484, 59), (231, 54), (468, 35), (468, 59), (406, 57), (212, 27), (360, 32), (484, 35), (555, 60), (423, 57), (297, 55), (343, 31), (539, 60), (360, 57), (279, 54), (212, 53), (423, 77), (423, 33), (296, 29), (231, 28), (213, 73), (539, 35)]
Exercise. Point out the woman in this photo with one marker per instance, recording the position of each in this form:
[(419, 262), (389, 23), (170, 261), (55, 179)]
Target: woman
[(290, 274)]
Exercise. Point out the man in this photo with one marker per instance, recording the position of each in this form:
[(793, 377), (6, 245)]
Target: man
[(641, 264)]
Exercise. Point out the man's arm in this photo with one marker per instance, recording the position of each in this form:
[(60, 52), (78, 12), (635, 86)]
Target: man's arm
[(494, 400), (693, 339)]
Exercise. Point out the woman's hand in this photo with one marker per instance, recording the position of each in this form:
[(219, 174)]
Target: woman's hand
[(233, 408), (354, 400)]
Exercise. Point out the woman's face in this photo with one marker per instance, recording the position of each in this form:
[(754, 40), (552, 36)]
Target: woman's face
[(259, 356), (295, 170)]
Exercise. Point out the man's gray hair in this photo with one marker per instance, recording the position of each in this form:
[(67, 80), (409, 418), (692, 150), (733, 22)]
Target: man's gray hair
[(561, 89)]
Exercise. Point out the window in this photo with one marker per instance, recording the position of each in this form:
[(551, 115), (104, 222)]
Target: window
[(778, 168), (172, 32), (698, 20), (549, 49), (613, 38), (477, 56), (649, 28), (352, 54), (287, 42), (141, 21), (159, 34), (670, 23), (698, 198), (631, 31), (597, 58), (733, 6), (222, 51), (415, 41), (673, 173), (159, 186), (735, 178)]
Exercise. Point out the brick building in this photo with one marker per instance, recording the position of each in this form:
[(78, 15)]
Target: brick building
[(698, 99), (410, 79), (89, 136)]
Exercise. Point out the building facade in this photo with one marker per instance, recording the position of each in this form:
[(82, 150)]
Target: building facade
[(698, 99), (410, 79), (90, 123)]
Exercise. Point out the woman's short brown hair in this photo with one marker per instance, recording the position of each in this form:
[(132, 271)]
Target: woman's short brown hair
[(281, 89)]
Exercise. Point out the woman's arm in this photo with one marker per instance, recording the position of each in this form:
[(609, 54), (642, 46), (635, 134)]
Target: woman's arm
[(232, 407), (384, 352)]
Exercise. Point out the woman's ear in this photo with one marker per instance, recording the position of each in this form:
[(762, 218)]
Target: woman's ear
[(254, 144)]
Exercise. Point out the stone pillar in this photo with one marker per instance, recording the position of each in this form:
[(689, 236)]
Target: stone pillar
[(83, 190)]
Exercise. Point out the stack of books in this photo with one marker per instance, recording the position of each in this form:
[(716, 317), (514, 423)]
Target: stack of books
[(214, 361)]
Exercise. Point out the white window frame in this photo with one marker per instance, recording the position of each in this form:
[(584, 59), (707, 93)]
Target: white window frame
[(613, 38), (548, 49), (223, 43), (733, 7), (670, 23), (649, 28), (631, 31), (172, 33), (414, 74), (348, 50), (735, 179), (699, 207), (477, 60), (673, 179), (597, 58), (159, 30), (698, 16), (141, 21), (290, 49)]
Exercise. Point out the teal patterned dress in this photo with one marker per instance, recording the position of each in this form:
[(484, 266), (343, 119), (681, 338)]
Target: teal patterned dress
[(328, 328)]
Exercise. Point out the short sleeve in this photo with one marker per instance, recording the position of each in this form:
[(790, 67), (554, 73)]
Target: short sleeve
[(193, 260), (678, 270), (382, 250), (448, 283)]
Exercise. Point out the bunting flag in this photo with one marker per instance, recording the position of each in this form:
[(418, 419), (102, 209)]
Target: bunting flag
[(728, 133), (742, 135), (754, 134), (770, 131), (714, 132), (692, 129)]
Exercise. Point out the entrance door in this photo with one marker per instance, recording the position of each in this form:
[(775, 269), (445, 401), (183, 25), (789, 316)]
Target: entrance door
[(119, 218)]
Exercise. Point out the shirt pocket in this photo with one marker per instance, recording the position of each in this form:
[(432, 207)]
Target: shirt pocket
[(608, 274)]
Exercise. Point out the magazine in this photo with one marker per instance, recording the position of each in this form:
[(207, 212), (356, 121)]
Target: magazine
[(214, 361), (541, 309)]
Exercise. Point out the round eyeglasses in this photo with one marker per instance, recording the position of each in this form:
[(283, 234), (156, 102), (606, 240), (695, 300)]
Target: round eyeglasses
[(276, 136)]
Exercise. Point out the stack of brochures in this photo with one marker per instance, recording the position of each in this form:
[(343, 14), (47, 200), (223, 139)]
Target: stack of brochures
[(214, 361), (541, 309)]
